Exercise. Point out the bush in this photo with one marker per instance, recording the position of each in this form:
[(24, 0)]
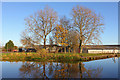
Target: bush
[(42, 51)]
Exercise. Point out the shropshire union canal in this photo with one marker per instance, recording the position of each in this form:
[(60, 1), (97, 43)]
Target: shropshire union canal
[(104, 68)]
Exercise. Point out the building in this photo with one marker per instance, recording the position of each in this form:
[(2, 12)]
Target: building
[(86, 49), (101, 49)]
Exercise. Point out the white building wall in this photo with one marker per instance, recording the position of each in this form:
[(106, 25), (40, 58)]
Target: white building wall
[(103, 51)]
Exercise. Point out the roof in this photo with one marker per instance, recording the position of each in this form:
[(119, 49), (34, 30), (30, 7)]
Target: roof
[(102, 46)]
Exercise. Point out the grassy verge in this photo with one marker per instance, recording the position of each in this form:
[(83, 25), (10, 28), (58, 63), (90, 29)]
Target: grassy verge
[(53, 56)]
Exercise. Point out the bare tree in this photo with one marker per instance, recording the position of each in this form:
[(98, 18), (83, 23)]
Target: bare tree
[(51, 42), (39, 26), (88, 24), (64, 22), (73, 40), (29, 40)]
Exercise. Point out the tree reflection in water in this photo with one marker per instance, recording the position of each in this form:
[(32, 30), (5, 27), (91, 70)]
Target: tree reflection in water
[(57, 70)]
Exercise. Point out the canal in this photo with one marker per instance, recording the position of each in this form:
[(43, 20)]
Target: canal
[(104, 68)]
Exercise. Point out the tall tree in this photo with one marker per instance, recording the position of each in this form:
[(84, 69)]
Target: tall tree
[(39, 26), (61, 31), (88, 24), (65, 23), (9, 45), (60, 35), (73, 40)]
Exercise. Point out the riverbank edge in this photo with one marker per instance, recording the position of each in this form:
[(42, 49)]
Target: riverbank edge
[(56, 57)]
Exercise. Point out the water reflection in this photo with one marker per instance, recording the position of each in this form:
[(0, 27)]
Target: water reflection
[(57, 70), (104, 68)]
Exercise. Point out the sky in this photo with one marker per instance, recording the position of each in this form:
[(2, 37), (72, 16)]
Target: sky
[(14, 13)]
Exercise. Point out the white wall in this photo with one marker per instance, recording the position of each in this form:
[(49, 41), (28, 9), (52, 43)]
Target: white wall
[(103, 51)]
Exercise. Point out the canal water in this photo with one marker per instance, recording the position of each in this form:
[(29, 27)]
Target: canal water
[(104, 68)]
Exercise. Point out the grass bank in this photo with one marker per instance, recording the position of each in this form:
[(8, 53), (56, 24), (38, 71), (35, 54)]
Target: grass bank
[(62, 57)]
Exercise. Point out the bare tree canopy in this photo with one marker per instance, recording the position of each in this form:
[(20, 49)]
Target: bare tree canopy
[(64, 22), (39, 26), (86, 28), (88, 24), (73, 40)]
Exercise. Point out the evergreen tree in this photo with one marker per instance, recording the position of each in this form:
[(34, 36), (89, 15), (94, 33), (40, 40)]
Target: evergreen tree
[(9, 45)]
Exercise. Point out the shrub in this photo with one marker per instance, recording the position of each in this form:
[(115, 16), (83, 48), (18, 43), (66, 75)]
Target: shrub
[(42, 51)]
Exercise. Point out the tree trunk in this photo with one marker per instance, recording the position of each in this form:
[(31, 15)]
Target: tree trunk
[(56, 51), (61, 50), (65, 49), (44, 69), (80, 46), (45, 43), (69, 49), (81, 50), (80, 67)]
